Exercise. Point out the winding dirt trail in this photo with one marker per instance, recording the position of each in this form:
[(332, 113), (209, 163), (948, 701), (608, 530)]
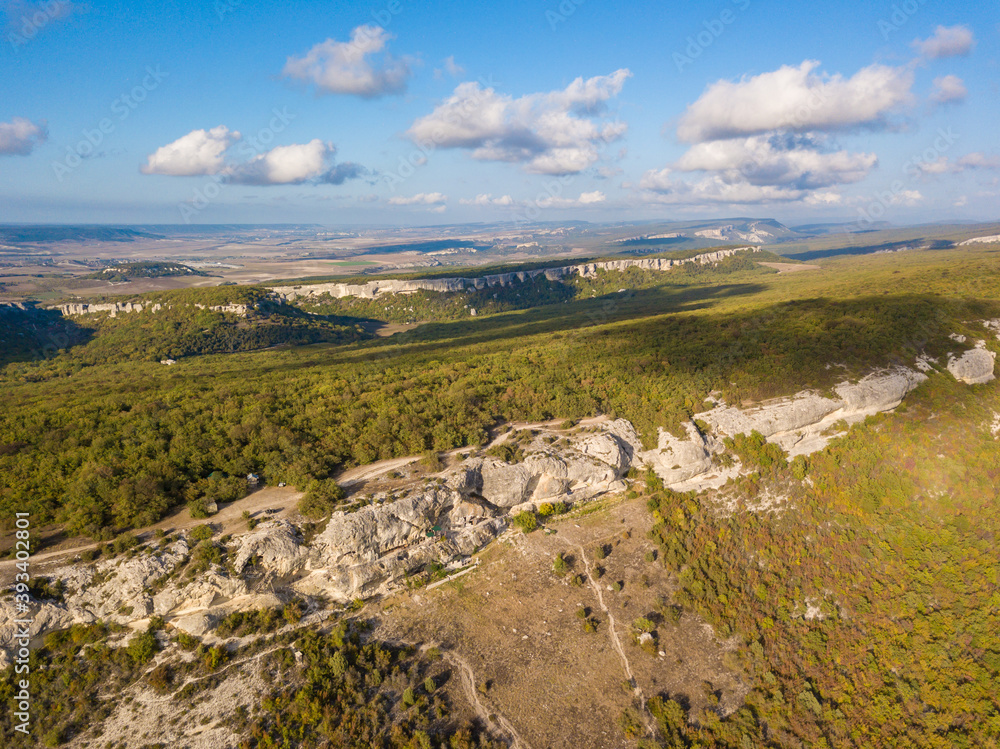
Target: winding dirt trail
[(636, 689), (494, 720)]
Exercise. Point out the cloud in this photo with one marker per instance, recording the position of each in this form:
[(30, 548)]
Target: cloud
[(485, 200), (339, 174), (661, 187), (979, 160), (948, 41), (451, 67), (345, 68), (202, 152), (20, 136), (949, 89), (199, 152), (548, 201), (586, 199), (26, 19), (797, 100), (944, 165), (284, 165), (796, 162), (433, 201), (548, 133)]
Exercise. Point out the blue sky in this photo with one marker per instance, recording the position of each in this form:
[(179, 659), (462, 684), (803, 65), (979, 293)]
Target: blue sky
[(406, 113)]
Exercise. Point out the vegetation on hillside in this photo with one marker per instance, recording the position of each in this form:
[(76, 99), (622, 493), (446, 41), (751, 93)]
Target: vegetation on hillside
[(333, 689), (129, 271), (866, 610), (113, 446)]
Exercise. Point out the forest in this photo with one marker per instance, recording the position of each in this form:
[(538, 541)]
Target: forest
[(101, 437), (867, 614), (864, 613)]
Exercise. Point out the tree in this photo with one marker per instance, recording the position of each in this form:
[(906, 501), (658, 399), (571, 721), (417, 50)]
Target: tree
[(321, 497)]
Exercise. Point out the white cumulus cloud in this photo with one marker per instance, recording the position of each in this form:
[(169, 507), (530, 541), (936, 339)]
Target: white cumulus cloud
[(585, 199), (947, 41), (284, 165), (487, 199), (20, 136), (949, 89), (197, 153), (203, 152), (789, 161), (557, 132), (797, 99), (435, 202), (979, 160), (360, 67)]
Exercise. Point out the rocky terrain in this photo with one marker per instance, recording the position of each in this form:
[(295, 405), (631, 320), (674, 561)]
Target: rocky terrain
[(114, 309), (442, 520), (374, 289)]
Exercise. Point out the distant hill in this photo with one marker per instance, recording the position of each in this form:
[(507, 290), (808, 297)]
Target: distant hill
[(34, 234), (132, 270)]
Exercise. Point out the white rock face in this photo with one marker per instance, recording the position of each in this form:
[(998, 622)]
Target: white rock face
[(974, 367), (676, 460), (275, 543), (375, 289), (369, 551), (797, 424)]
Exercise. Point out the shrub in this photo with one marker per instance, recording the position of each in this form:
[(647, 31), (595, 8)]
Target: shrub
[(161, 678), (201, 532), (432, 461), (630, 723), (321, 497), (215, 657), (560, 566), (526, 521), (409, 698), (548, 509), (429, 685), (642, 624), (507, 452), (142, 648), (800, 467)]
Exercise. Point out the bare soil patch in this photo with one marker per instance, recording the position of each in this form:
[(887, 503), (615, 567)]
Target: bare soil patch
[(515, 622)]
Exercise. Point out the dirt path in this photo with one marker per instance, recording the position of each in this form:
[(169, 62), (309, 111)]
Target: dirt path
[(791, 267), (494, 720), (367, 472), (636, 689), (229, 517)]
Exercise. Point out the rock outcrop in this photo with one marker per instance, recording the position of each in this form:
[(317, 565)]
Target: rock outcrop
[(675, 460), (448, 517), (801, 424), (974, 367), (119, 308), (375, 289)]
